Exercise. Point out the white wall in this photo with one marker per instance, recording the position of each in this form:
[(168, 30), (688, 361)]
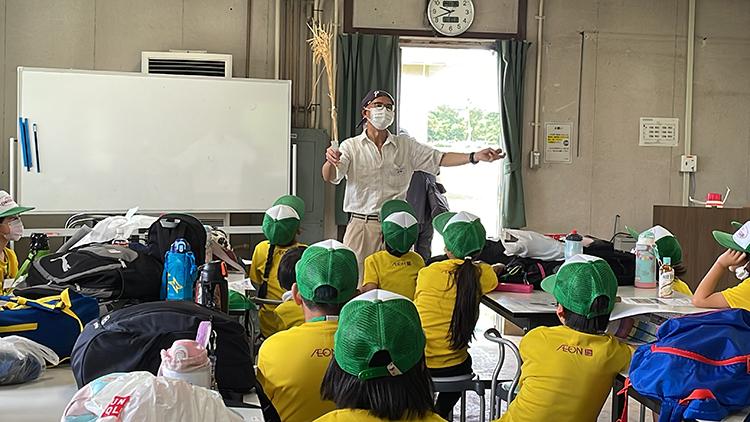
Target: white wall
[(634, 66)]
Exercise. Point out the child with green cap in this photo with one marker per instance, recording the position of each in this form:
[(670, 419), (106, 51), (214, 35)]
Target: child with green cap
[(395, 269), (11, 230), (378, 372), (568, 371), (280, 226), (734, 259), (667, 246), (291, 363), (447, 297)]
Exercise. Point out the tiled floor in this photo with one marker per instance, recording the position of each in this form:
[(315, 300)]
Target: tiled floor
[(484, 357)]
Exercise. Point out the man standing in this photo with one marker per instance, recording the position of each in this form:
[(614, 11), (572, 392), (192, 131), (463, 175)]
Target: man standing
[(378, 166)]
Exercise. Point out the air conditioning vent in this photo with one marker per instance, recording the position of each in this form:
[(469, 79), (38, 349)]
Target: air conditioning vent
[(187, 63)]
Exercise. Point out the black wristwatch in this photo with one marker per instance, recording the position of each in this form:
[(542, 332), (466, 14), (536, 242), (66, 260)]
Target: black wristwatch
[(471, 158)]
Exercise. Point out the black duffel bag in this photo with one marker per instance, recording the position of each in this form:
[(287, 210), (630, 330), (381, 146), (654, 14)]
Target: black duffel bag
[(103, 271), (131, 339)]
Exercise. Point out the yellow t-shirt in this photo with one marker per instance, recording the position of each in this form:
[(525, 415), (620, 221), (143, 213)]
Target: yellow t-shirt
[(435, 298), (360, 415), (738, 296), (397, 274), (275, 291), (291, 366), (681, 287), (566, 375), (8, 266), (286, 316)]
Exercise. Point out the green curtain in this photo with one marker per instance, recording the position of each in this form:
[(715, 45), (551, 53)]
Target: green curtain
[(365, 62), (511, 57)]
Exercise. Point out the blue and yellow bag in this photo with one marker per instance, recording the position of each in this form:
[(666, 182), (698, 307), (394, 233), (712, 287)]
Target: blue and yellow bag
[(54, 321), (699, 366)]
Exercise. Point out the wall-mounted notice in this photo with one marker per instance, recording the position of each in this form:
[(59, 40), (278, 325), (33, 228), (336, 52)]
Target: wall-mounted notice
[(659, 132), (557, 143)]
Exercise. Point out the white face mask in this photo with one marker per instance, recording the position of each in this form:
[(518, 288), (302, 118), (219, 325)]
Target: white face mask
[(381, 119), (16, 230)]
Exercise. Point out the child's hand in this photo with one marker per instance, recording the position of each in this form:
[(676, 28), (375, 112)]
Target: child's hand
[(731, 258)]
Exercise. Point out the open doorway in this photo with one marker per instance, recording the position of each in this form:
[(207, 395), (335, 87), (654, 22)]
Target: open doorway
[(449, 99)]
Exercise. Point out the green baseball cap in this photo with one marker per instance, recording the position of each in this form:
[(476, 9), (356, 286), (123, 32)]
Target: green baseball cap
[(327, 263), (399, 225), (736, 225), (281, 221), (580, 280), (9, 207), (666, 244), (463, 233), (739, 241), (378, 321)]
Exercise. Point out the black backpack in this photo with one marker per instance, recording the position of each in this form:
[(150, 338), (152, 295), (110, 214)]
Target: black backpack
[(622, 263), (528, 270), (170, 227), (131, 339), (103, 271)]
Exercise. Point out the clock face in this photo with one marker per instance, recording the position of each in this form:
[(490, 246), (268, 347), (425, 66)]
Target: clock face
[(450, 17)]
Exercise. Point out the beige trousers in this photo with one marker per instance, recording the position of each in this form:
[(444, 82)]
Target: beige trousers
[(364, 238)]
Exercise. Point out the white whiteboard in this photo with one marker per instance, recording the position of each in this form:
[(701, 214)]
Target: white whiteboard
[(109, 141)]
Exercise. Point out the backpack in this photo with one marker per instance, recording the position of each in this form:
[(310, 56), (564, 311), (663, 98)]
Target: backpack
[(528, 270), (50, 318), (622, 263), (131, 339), (699, 366), (106, 272), (170, 227), (179, 273)]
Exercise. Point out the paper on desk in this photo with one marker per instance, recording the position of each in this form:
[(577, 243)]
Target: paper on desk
[(636, 320), (644, 305)]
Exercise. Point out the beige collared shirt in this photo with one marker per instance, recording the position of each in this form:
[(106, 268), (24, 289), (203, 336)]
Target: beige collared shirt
[(373, 178)]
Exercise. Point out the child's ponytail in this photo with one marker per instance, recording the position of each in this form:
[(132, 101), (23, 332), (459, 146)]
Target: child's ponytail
[(466, 309)]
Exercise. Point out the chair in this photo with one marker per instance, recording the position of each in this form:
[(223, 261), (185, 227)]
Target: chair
[(462, 384), (502, 389)]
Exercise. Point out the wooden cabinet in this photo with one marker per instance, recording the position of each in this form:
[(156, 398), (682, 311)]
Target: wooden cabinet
[(692, 226)]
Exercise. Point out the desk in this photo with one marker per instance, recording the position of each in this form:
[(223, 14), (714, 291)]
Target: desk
[(45, 398), (618, 402), (537, 309)]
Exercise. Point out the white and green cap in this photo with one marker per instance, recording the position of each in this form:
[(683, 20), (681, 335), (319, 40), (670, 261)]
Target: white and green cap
[(327, 263), (378, 321), (666, 244), (739, 241), (399, 225), (579, 281), (9, 207), (463, 233), (281, 222)]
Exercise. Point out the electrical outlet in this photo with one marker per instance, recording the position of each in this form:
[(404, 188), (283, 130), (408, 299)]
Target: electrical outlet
[(688, 164), (535, 159)]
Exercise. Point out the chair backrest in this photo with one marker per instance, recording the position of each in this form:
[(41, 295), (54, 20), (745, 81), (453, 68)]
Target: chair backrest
[(494, 336)]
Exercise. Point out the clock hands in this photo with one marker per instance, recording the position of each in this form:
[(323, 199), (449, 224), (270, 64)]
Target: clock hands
[(447, 11)]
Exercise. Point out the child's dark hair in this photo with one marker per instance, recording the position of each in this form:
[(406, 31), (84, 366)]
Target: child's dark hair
[(406, 396), (287, 274), (263, 291), (324, 293), (595, 325), (466, 308), (679, 269), (393, 251)]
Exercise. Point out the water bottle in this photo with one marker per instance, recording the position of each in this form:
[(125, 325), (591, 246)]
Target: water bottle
[(212, 289), (645, 261), (573, 244), (666, 278)]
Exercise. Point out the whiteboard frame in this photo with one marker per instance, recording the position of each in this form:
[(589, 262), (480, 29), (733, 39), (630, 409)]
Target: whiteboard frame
[(16, 168)]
